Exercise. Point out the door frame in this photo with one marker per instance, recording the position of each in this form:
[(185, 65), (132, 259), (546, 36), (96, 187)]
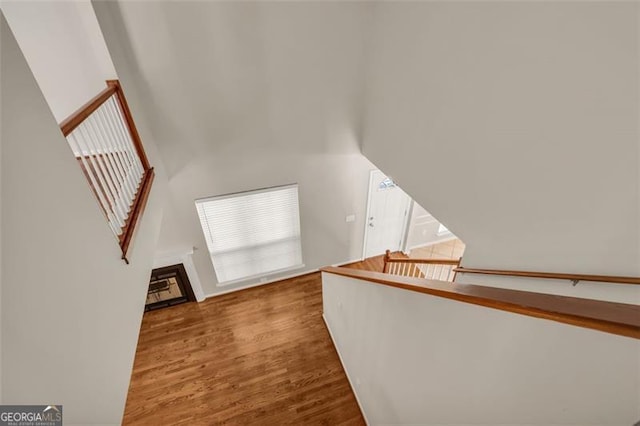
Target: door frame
[(405, 223)]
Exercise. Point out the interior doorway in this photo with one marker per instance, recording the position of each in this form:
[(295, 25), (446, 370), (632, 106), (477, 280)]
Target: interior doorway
[(387, 213)]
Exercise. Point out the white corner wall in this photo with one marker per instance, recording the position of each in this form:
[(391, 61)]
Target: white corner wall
[(245, 96), (71, 308), (419, 359), (331, 187), (2, 24), (64, 48), (516, 125)]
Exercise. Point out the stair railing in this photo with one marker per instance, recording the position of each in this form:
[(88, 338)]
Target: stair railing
[(616, 318), (108, 149), (574, 278), (432, 269)]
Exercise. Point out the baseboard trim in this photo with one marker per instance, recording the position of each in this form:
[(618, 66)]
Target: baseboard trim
[(288, 277), (258, 284), (347, 262), (346, 372)]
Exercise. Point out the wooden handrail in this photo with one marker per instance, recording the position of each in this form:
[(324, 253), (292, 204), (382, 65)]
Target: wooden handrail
[(133, 130), (139, 204), (108, 168), (74, 120), (388, 259), (616, 318), (425, 261), (574, 278)]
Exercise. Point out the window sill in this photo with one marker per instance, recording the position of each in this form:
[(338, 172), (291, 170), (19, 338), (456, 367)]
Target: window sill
[(262, 278)]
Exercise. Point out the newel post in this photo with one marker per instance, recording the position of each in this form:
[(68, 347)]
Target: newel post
[(387, 256)]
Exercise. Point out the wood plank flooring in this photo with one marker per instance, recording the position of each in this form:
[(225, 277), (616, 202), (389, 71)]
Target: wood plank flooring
[(375, 264), (259, 356)]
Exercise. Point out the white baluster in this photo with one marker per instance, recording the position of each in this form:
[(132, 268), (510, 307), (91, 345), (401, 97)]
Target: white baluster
[(86, 143), (114, 152), (73, 141), (108, 172)]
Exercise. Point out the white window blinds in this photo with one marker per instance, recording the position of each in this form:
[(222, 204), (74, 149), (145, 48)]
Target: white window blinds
[(252, 233)]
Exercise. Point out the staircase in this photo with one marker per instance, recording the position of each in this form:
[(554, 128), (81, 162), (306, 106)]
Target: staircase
[(417, 350), (431, 269)]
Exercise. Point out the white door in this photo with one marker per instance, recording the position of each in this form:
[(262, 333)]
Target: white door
[(386, 215)]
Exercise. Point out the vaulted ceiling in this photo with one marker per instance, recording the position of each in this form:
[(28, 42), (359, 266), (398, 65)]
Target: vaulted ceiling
[(505, 120), (232, 78)]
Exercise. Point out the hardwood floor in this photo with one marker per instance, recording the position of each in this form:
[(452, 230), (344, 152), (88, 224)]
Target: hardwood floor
[(259, 356), (375, 264)]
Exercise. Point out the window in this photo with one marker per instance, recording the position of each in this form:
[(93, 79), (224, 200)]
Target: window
[(386, 184), (253, 233), (442, 230)]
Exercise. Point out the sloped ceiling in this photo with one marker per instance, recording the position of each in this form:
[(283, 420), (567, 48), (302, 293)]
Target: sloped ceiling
[(228, 78), (518, 124), (514, 123)]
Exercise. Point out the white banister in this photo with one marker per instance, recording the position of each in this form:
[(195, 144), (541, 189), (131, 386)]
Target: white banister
[(119, 155), (433, 269), (107, 147), (103, 145)]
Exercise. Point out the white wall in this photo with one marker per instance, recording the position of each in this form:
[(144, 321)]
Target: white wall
[(250, 95), (516, 125), (71, 308), (64, 48), (420, 359), (2, 24), (331, 187)]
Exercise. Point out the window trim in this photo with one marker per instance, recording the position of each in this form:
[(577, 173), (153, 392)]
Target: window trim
[(263, 276)]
